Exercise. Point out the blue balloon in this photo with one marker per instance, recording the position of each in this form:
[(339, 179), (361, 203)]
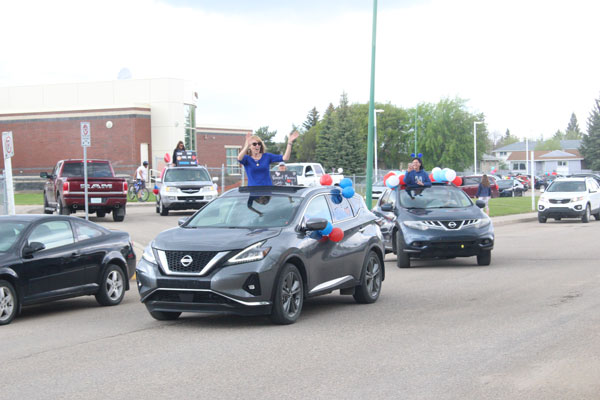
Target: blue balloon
[(336, 196), (412, 155), (348, 192), (420, 155), (155, 186), (316, 235), (346, 182), (327, 229), (439, 176)]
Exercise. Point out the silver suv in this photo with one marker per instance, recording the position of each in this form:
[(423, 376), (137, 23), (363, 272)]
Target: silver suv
[(185, 188)]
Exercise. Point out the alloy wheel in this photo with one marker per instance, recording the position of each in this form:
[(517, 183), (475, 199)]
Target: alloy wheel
[(291, 296), (373, 276), (7, 303), (114, 285)]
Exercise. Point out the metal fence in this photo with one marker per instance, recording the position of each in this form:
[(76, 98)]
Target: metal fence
[(3, 198)]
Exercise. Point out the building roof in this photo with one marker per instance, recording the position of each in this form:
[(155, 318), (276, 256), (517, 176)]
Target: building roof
[(546, 155), (520, 146)]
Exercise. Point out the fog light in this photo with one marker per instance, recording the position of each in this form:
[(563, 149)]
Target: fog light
[(578, 207), (486, 241), (417, 244), (540, 207), (252, 285)]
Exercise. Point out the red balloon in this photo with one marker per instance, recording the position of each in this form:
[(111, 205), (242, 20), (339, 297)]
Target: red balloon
[(391, 173), (336, 235), (431, 178), (554, 173), (155, 191), (167, 158), (457, 181), (402, 180), (326, 180)]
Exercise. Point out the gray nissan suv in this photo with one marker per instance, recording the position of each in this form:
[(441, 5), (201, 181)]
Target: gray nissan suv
[(260, 251)]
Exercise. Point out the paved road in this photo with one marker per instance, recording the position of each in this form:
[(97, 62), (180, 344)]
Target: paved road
[(525, 327)]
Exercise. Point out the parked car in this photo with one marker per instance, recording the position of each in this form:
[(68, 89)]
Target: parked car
[(510, 188), (309, 174), (570, 198), (64, 190), (378, 189), (470, 184), (185, 188), (436, 222), (586, 174), (257, 250), (45, 258)]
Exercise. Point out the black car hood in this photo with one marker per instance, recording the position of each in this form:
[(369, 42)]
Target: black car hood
[(212, 239), (444, 213)]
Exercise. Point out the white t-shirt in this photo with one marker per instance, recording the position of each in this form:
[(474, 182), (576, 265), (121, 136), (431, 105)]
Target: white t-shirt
[(141, 173)]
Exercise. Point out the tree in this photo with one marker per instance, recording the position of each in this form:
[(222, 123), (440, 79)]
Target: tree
[(312, 119), (590, 145), (573, 132), (550, 144), (507, 139), (267, 137), (323, 149), (346, 152)]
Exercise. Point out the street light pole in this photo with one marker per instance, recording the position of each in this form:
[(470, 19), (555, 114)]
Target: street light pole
[(475, 123), (375, 129), (369, 181)]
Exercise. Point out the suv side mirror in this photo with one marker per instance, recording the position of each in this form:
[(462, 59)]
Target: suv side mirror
[(387, 207), (315, 224), (32, 247), (480, 203), (215, 179)]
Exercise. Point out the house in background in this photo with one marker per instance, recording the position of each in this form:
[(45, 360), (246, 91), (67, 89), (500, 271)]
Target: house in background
[(567, 160)]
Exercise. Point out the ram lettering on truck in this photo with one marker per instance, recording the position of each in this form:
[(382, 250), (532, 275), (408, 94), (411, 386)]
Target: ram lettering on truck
[(64, 190)]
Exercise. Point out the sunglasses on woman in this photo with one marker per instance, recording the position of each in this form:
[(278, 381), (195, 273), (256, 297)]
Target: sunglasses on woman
[(256, 144)]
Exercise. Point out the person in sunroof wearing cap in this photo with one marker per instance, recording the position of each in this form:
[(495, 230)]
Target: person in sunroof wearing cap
[(256, 160), (281, 167)]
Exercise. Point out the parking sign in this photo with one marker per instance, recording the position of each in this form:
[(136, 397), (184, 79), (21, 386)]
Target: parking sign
[(86, 135), (7, 145)]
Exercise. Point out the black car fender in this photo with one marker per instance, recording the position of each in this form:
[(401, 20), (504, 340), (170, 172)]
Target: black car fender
[(115, 257)]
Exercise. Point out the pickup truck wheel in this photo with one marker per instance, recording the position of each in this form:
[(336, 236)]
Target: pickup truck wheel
[(119, 214), (46, 206), (62, 210), (100, 214), (164, 211)]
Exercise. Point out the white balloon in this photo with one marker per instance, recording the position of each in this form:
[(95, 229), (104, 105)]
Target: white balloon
[(450, 175), (392, 181), (435, 169)]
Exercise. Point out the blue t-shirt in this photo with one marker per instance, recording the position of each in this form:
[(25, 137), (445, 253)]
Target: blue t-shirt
[(412, 177), (258, 171)]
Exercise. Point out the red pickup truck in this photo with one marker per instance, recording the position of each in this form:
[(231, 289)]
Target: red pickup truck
[(64, 189)]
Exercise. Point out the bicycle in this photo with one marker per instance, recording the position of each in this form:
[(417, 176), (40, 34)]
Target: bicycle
[(135, 188)]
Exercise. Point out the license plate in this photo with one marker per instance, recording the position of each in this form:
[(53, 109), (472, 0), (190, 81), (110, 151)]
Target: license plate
[(96, 200)]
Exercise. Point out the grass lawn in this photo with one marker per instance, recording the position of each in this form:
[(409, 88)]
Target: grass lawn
[(35, 199), (511, 205)]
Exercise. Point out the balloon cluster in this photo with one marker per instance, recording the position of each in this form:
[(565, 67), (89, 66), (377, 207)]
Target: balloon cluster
[(420, 155), (155, 190), (445, 175), (329, 233), (345, 184), (393, 178), (494, 170)]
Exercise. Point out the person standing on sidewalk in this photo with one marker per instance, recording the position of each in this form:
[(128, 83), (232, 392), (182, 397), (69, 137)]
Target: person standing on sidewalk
[(484, 192)]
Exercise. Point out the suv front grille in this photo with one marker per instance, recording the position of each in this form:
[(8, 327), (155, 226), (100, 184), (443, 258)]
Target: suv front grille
[(559, 201), (451, 225), (199, 259)]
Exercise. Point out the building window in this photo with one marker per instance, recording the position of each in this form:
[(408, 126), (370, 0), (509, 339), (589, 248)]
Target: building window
[(518, 166), (502, 153), (233, 166), (562, 163), (190, 125)]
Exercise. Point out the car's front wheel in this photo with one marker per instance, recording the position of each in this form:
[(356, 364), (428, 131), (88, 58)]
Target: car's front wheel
[(289, 296), (586, 215), (9, 302), (112, 287), (485, 258), (541, 220), (402, 258), (370, 283), (164, 211)]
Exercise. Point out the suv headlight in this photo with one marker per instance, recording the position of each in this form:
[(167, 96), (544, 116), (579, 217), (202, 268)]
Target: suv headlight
[(543, 198), (416, 225), (576, 199), (149, 255), (171, 189), (251, 253), (482, 223)]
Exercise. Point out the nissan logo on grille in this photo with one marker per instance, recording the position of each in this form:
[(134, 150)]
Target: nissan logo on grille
[(452, 225), (186, 260)]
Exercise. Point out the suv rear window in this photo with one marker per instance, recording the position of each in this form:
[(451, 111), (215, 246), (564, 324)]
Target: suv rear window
[(94, 170)]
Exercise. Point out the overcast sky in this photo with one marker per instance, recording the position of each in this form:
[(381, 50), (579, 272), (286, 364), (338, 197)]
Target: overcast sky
[(526, 64)]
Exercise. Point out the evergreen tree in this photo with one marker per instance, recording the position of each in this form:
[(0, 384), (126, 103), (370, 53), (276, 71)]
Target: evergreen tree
[(507, 139), (590, 145), (311, 119), (267, 137), (324, 150), (573, 131), (346, 152)]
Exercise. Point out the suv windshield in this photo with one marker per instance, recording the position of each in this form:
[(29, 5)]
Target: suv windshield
[(249, 211), (9, 233), (295, 168), (186, 175), (434, 197), (567, 186), (94, 170)]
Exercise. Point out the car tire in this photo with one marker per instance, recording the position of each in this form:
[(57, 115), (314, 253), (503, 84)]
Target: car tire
[(119, 214), (157, 208), (370, 280), (485, 258), (164, 315), (586, 215), (597, 216), (100, 214), (288, 297), (9, 302), (62, 210), (541, 220), (402, 258), (46, 206), (520, 193), (112, 286), (162, 210)]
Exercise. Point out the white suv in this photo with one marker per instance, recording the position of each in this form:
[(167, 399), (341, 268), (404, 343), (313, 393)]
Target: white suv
[(185, 188), (570, 198)]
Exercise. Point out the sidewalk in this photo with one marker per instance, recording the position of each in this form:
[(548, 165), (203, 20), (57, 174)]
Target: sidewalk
[(514, 218)]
